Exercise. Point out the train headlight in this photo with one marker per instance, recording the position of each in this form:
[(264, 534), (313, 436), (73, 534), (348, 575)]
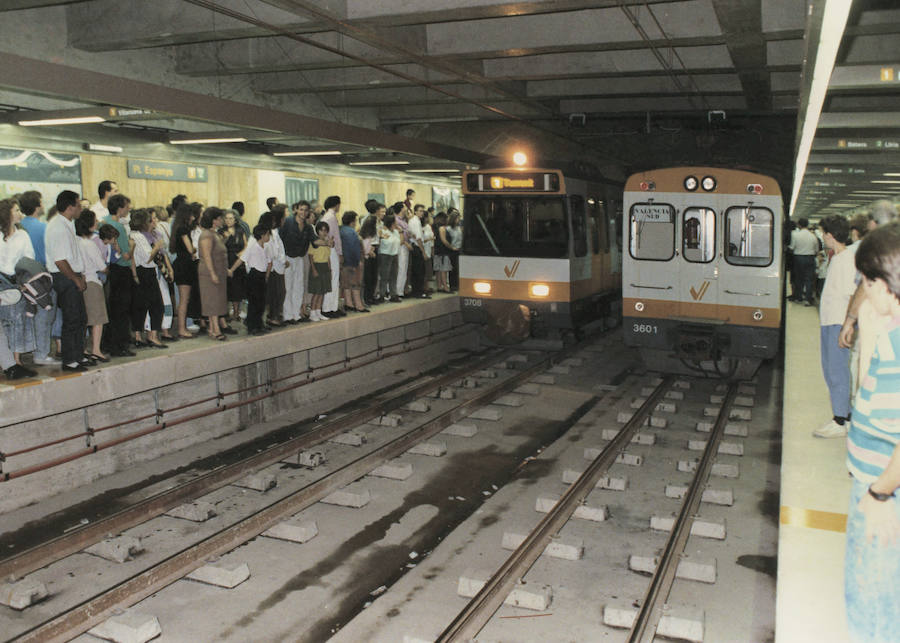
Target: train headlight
[(639, 306), (691, 183), (758, 315), (539, 290), (482, 287), (520, 159), (709, 183)]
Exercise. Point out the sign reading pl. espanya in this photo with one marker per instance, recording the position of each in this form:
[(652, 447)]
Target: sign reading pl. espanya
[(162, 171)]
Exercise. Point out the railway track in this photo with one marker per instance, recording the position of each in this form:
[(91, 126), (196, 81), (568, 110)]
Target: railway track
[(171, 566), (367, 577)]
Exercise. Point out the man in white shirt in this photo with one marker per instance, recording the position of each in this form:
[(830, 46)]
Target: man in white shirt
[(330, 302), (417, 254), (805, 247), (840, 284), (106, 189), (65, 263)]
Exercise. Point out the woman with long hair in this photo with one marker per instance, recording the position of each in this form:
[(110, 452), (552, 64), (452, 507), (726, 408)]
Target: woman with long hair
[(185, 270), (147, 296), (235, 242), (15, 244), (442, 249)]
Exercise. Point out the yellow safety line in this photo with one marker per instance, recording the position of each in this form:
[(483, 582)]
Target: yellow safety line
[(813, 519)]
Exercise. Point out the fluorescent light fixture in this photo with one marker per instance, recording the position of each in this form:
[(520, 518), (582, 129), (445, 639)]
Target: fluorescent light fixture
[(200, 140), (309, 153), (97, 147), (378, 163), (435, 170), (71, 120), (886, 181), (834, 20), (892, 174)]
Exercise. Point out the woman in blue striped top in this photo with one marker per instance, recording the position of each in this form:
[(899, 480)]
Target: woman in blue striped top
[(872, 565)]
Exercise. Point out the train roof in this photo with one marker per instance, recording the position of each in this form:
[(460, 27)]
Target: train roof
[(728, 180)]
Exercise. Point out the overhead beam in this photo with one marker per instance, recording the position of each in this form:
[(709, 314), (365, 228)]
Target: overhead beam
[(742, 23), (52, 79), (884, 77), (859, 120)]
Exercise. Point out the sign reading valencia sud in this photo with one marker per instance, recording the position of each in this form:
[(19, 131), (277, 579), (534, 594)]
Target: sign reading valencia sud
[(162, 171)]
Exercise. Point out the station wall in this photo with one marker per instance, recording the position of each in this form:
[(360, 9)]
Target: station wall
[(226, 184)]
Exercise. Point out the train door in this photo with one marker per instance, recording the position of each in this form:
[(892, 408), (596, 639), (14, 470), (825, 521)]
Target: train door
[(698, 269), (748, 268), (580, 271)]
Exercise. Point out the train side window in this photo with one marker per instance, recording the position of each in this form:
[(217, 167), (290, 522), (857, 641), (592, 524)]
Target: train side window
[(579, 226), (749, 236), (599, 236), (651, 233), (698, 235)]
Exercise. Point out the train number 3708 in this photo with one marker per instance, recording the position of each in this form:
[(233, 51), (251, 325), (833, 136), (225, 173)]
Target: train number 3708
[(472, 302), (647, 329)]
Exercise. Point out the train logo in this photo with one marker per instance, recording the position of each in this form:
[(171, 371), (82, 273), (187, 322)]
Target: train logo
[(698, 294), (511, 272)]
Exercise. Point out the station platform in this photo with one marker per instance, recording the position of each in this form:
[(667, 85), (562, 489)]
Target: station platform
[(815, 490), (64, 430)]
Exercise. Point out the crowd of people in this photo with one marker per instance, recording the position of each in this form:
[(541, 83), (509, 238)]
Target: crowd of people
[(123, 278), (852, 268)]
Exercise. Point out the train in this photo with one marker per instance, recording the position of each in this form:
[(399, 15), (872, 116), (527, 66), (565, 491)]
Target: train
[(540, 253), (703, 269)]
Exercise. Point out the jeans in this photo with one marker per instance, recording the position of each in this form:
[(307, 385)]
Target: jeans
[(43, 327), (805, 267), (74, 318), (6, 355), (871, 578), (836, 369)]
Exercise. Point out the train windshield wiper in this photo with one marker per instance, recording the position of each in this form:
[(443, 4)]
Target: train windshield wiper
[(488, 234)]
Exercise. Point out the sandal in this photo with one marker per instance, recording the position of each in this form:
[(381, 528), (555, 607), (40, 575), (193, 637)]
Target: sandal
[(220, 338)]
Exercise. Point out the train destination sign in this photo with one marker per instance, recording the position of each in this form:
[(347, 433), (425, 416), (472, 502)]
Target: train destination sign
[(513, 182), (652, 212)]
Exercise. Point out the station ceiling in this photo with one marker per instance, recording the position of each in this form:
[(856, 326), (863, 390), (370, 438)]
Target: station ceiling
[(623, 85)]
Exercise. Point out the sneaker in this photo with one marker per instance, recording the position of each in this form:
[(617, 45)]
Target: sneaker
[(831, 430), (17, 372), (46, 361)]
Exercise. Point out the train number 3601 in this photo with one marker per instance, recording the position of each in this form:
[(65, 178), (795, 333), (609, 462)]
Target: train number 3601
[(648, 329)]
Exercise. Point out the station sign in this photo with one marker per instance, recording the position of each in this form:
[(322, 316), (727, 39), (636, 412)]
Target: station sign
[(162, 171)]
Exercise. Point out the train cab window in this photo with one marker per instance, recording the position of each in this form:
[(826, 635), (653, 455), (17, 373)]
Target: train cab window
[(749, 236), (651, 233), (698, 235), (599, 236), (579, 225), (514, 226)]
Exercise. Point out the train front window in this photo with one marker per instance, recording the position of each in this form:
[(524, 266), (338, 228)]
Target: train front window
[(749, 236), (515, 227), (698, 235), (652, 231)]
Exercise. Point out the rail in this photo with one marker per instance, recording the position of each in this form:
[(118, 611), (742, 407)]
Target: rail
[(481, 608)]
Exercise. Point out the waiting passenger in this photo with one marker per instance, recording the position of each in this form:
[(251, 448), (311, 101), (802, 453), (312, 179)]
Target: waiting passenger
[(147, 296), (442, 250), (213, 271), (387, 257), (839, 286), (235, 242), (872, 562), (258, 268), (31, 205), (95, 265), (275, 288), (184, 268), (331, 301), (320, 271), (14, 245), (352, 268), (121, 281), (105, 190)]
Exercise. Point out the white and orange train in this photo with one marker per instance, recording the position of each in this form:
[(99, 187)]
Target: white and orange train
[(540, 251), (703, 269)]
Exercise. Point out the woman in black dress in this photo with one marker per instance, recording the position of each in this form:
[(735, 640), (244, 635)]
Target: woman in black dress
[(184, 266), (235, 242)]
